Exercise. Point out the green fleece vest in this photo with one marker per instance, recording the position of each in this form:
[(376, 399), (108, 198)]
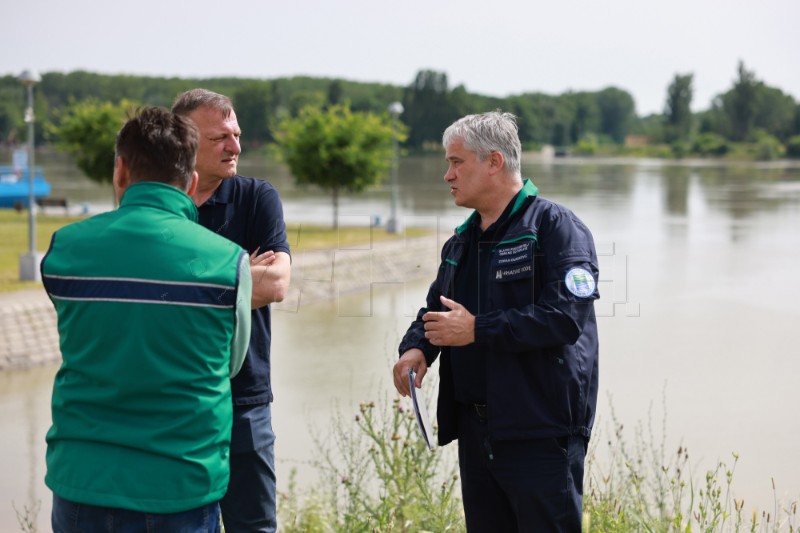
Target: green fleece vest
[(141, 405)]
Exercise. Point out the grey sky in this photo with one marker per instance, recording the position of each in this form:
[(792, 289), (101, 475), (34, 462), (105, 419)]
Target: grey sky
[(497, 48)]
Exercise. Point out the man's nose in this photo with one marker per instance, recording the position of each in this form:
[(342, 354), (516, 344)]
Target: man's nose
[(233, 146), (449, 174)]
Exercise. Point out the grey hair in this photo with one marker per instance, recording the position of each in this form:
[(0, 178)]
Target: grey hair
[(187, 102), (485, 133)]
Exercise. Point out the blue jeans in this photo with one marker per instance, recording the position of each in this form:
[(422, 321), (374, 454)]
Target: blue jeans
[(72, 517), (249, 506)]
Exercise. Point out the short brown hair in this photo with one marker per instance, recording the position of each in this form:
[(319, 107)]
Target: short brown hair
[(159, 146), (187, 102)]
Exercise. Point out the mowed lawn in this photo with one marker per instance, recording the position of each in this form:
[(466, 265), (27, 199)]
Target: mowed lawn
[(302, 237)]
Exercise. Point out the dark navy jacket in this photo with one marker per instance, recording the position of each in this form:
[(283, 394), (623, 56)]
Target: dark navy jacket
[(540, 327)]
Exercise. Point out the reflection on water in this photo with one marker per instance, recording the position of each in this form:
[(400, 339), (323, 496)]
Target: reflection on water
[(699, 300), (24, 419)]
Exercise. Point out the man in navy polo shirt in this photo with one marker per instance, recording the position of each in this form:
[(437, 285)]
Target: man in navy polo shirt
[(248, 212)]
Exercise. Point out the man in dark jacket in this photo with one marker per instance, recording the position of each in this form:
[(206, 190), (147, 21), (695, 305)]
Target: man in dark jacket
[(512, 314)]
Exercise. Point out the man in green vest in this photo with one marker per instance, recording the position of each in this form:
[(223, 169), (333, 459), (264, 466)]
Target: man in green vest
[(141, 406)]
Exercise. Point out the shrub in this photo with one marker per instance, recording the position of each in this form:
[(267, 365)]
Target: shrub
[(793, 147), (377, 475), (710, 144), (768, 147), (587, 146), (679, 149), (642, 487)]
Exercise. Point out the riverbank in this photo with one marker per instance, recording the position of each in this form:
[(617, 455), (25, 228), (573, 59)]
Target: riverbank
[(28, 329)]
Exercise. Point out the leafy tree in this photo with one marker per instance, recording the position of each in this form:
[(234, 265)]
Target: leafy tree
[(11, 109), (585, 117), (793, 147), (740, 104), (88, 131), (651, 126), (301, 99), (337, 149), (335, 93), (251, 101), (616, 113), (537, 115), (749, 106), (678, 112), (775, 112), (278, 105), (428, 108), (710, 144), (714, 120), (768, 148), (527, 121), (796, 128)]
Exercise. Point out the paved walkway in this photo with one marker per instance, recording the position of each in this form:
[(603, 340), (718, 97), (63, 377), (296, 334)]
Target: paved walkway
[(29, 336)]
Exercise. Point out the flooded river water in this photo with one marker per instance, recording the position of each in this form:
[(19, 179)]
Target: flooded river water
[(699, 269)]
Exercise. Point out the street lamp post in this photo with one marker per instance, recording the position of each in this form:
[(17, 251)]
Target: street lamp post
[(29, 263), (393, 224)]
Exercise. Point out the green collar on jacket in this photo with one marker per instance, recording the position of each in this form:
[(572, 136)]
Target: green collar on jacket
[(528, 190), (160, 196)]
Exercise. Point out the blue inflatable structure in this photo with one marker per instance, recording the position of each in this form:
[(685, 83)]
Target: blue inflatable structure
[(14, 188)]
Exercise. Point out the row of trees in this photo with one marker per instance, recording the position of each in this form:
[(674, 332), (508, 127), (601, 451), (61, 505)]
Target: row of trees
[(739, 114), (743, 113), (333, 148)]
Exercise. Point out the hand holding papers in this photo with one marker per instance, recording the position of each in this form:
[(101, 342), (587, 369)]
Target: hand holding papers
[(421, 412)]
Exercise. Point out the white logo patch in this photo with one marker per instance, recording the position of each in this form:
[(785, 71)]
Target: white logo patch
[(580, 282)]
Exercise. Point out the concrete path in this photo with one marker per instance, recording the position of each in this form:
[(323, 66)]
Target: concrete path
[(28, 330)]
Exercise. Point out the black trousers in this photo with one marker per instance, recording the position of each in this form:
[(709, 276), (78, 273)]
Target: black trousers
[(520, 485)]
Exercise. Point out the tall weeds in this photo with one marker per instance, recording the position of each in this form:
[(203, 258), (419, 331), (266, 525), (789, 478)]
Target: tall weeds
[(641, 486), (378, 476)]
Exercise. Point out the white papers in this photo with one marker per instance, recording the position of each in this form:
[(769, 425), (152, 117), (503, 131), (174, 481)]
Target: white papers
[(421, 412)]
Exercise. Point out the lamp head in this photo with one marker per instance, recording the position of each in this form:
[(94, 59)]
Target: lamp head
[(29, 77), (396, 108)]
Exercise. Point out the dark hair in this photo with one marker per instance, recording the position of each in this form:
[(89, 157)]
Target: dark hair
[(187, 102), (159, 146)]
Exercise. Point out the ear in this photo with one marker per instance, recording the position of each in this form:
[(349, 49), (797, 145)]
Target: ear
[(122, 178), (193, 184), (497, 162)]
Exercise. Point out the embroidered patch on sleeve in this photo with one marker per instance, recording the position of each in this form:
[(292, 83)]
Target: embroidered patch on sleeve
[(580, 282)]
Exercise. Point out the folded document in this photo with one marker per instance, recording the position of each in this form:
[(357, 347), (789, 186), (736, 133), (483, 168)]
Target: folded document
[(421, 413)]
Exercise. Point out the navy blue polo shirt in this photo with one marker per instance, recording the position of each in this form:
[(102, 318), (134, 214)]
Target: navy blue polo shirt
[(249, 212)]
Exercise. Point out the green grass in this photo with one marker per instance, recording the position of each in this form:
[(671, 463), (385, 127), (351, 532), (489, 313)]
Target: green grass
[(308, 237), (302, 237), (14, 242)]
